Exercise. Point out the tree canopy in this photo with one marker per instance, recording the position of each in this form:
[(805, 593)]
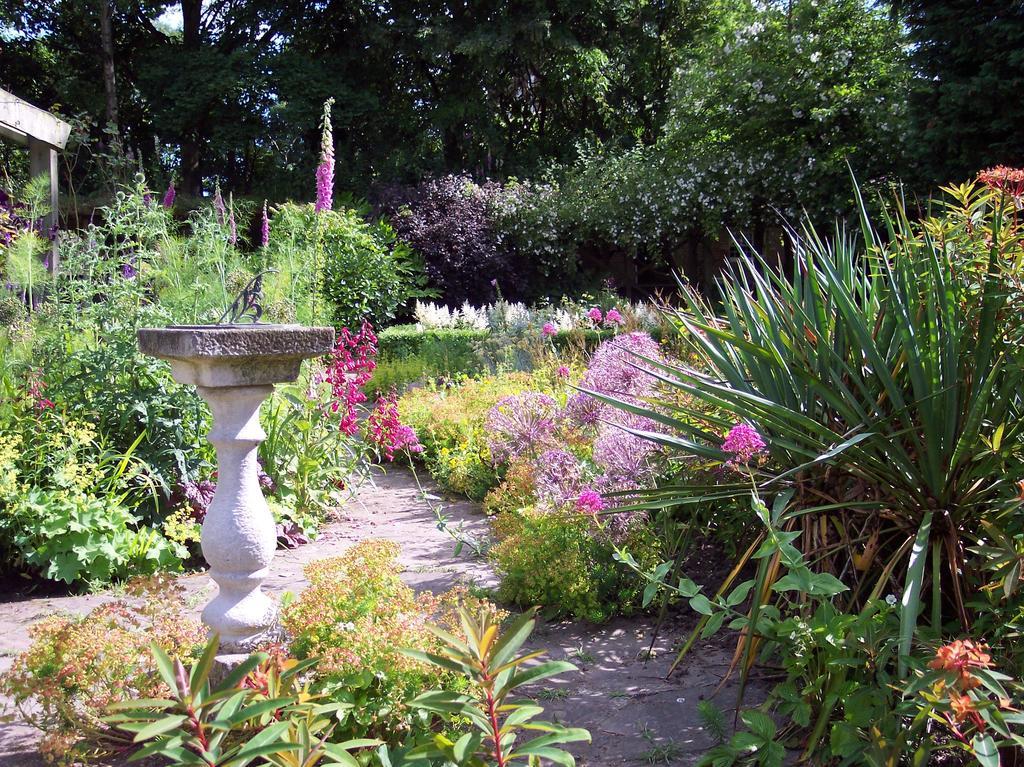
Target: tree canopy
[(736, 105)]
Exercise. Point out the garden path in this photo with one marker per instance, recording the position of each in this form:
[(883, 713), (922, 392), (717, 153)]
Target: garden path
[(634, 714)]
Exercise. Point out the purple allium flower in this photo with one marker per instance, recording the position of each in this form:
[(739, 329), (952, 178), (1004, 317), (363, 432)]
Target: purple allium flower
[(549, 329), (325, 170), (264, 227), (623, 455), (613, 317), (169, 196), (590, 502), (559, 477), (743, 443), (595, 315), (521, 424), (617, 369)]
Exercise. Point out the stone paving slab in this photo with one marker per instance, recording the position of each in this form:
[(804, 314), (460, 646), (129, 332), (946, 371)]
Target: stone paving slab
[(633, 713)]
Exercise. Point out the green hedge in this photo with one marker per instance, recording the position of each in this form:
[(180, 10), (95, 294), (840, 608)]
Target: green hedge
[(408, 341)]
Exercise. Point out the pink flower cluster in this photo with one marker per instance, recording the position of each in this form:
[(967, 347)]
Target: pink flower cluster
[(612, 318), (549, 329), (385, 429), (352, 364), (743, 443), (34, 386), (590, 502)]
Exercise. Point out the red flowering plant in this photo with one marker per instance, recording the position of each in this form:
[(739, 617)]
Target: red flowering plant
[(322, 435)]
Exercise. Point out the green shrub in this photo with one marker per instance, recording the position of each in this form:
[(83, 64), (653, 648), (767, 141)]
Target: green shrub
[(447, 350), (398, 374), (11, 310), (560, 560), (409, 355), (367, 272)]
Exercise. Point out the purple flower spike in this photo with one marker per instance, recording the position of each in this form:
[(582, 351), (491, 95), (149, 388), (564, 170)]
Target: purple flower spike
[(325, 170), (264, 227), (218, 205), (232, 227), (169, 196)]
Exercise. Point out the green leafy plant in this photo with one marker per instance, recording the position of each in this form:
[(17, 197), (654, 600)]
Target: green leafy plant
[(355, 616), (258, 711), (488, 658), (75, 537)]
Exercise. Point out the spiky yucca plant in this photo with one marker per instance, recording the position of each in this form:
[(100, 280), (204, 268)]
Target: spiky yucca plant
[(885, 373)]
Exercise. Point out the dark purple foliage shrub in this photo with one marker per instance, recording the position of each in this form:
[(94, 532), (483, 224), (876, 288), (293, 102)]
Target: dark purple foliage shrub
[(454, 224), (198, 495)]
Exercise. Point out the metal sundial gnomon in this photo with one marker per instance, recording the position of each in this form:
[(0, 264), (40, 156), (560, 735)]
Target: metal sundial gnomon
[(246, 307)]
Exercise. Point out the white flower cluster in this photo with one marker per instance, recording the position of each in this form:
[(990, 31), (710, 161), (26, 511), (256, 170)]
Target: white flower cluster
[(430, 316), (515, 317)]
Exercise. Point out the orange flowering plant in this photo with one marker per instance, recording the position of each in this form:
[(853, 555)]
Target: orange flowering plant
[(76, 666), (962, 691)]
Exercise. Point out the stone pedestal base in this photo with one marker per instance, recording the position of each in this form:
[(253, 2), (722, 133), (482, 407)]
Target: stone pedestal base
[(234, 368)]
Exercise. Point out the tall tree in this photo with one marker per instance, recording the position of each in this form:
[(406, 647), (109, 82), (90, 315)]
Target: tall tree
[(967, 105)]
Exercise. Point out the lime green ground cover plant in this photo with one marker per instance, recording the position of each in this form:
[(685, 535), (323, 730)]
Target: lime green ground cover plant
[(450, 420), (884, 373)]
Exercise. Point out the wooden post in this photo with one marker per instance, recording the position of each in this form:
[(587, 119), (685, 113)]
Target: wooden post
[(42, 160), (44, 134)]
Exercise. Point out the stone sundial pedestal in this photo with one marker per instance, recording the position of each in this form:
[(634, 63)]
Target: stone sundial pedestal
[(234, 368)]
